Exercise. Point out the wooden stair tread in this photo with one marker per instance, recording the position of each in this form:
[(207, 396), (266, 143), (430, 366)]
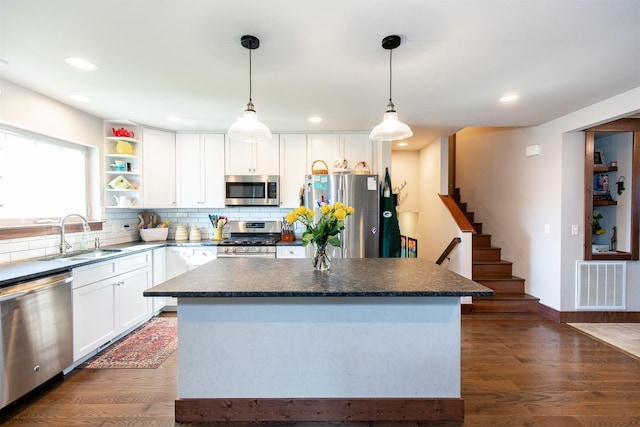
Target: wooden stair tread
[(508, 297), (498, 279), (501, 262)]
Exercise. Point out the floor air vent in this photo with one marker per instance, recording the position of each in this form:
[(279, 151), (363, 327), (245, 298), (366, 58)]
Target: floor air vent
[(601, 285)]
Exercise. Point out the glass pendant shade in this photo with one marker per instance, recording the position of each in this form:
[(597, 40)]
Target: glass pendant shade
[(391, 129), (248, 128)]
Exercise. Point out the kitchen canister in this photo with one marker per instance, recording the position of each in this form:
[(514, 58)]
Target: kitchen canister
[(194, 234), (181, 232)]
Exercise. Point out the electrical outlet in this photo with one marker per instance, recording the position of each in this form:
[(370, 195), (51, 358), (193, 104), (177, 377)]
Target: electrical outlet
[(575, 229), (118, 228), (547, 228)]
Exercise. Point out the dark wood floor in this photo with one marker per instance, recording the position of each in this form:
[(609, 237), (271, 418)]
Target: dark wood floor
[(517, 370)]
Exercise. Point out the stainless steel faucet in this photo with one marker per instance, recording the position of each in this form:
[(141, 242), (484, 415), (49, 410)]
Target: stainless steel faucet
[(63, 243)]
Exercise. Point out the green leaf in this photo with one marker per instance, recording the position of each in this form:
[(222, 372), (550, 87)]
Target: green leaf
[(334, 241)]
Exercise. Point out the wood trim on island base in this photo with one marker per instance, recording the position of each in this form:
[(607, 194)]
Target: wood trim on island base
[(321, 409)]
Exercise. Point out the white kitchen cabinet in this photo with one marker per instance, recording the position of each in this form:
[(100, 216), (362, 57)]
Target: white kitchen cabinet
[(354, 147), (200, 170), (293, 167), (108, 300), (133, 308), (158, 276), (242, 158), (177, 262), (159, 169), (122, 165), (291, 251), (94, 319)]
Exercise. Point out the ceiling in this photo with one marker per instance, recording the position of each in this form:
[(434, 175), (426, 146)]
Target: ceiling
[(183, 58)]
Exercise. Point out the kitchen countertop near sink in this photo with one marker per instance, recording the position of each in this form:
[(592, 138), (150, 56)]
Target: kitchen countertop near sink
[(28, 269)]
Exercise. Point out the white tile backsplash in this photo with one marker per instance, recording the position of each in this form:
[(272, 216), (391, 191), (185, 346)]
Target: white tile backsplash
[(121, 226)]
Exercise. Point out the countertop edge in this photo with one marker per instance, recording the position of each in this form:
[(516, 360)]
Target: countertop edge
[(272, 294)]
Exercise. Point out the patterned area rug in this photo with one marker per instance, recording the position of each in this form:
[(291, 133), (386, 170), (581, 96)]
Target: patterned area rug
[(144, 348)]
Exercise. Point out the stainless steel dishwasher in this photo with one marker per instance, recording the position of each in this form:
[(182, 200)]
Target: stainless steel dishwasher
[(37, 336)]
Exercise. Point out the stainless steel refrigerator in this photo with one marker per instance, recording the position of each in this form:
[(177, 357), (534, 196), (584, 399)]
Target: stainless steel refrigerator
[(360, 238)]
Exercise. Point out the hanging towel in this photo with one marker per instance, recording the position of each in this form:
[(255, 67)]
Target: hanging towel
[(389, 227)]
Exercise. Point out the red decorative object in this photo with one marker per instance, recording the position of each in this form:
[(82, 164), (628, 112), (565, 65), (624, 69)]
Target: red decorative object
[(122, 132)]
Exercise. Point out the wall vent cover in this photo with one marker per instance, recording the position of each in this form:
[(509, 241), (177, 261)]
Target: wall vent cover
[(601, 285)]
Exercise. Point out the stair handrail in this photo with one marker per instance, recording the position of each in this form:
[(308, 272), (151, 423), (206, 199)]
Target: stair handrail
[(457, 213), (445, 254)]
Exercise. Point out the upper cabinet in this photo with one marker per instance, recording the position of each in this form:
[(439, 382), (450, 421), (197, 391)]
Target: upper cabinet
[(612, 191), (200, 170), (159, 168), (244, 158), (293, 168), (122, 164), (354, 147)]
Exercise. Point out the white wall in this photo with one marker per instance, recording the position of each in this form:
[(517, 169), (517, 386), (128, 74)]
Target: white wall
[(30, 110)]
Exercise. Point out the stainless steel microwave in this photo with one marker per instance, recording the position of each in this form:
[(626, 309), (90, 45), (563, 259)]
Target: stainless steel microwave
[(252, 190)]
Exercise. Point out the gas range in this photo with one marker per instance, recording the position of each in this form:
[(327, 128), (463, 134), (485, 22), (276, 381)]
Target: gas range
[(251, 239)]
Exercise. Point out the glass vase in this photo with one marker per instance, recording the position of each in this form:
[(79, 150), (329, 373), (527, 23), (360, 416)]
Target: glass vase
[(321, 258)]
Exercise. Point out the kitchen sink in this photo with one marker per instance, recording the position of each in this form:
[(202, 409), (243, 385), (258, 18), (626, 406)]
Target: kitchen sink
[(83, 255)]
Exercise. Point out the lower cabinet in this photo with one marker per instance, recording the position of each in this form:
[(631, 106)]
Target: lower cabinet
[(291, 252), (108, 300), (159, 276)]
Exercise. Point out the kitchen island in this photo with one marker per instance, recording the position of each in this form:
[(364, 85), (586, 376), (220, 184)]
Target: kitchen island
[(273, 340)]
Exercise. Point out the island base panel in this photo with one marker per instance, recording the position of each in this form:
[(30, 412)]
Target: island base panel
[(288, 410)]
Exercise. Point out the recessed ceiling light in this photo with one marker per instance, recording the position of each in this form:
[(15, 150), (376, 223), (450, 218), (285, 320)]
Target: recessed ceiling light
[(174, 119), (402, 144), (82, 64), (509, 98), (315, 119), (81, 98)]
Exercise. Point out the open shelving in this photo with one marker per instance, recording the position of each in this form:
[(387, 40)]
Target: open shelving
[(116, 164)]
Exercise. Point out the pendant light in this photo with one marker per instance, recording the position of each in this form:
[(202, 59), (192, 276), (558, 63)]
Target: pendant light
[(391, 129), (248, 128)]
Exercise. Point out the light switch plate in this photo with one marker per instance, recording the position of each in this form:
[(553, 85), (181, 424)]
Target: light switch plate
[(575, 229)]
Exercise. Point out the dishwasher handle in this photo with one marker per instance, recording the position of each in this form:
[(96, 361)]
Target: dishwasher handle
[(22, 289), (12, 296)]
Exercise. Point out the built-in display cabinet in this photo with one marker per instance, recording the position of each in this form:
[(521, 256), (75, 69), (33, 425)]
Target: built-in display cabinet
[(612, 191)]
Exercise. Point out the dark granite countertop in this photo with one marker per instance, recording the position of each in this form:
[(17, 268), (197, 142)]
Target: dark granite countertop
[(261, 277), (28, 269)]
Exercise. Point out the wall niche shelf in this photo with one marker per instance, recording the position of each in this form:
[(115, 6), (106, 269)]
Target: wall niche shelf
[(619, 210)]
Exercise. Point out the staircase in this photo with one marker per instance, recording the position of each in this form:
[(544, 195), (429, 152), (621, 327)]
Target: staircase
[(490, 270)]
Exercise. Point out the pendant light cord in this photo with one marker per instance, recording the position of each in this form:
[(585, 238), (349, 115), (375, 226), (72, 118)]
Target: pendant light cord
[(250, 76), (390, 72)]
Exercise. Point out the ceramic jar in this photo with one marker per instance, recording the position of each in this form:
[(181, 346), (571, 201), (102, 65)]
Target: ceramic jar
[(181, 232)]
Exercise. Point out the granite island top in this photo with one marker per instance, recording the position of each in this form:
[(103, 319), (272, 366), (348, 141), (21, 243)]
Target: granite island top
[(265, 277)]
